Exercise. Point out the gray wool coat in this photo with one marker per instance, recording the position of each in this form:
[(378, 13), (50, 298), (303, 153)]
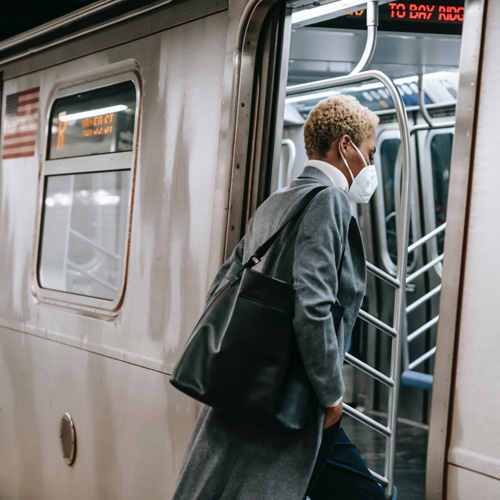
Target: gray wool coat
[(232, 459)]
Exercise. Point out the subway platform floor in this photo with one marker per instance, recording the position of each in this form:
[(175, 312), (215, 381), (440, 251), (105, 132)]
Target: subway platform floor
[(411, 452)]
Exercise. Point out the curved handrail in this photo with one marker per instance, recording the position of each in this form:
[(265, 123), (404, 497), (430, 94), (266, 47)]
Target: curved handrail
[(292, 153), (371, 37)]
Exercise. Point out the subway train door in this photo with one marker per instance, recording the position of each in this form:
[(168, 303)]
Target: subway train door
[(264, 175), (315, 56)]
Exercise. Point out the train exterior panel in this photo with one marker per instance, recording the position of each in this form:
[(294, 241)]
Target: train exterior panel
[(110, 372), (210, 82)]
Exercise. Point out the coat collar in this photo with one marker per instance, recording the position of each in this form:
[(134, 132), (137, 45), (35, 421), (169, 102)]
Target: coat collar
[(337, 178), (315, 174)]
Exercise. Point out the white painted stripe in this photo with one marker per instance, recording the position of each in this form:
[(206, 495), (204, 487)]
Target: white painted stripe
[(17, 140), (13, 151), (31, 108), (27, 97)]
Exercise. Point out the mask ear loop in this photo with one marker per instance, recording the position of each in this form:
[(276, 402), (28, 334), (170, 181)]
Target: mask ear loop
[(359, 153), (345, 163)]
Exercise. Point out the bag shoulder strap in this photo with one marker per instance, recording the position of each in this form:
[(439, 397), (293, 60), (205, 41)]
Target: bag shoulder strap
[(262, 250)]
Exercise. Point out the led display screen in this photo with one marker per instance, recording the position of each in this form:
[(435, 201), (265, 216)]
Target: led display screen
[(94, 122), (421, 16)]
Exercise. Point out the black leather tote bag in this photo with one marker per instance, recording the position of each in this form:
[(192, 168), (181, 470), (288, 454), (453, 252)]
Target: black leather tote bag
[(242, 356)]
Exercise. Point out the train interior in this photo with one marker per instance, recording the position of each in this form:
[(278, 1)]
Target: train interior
[(422, 59)]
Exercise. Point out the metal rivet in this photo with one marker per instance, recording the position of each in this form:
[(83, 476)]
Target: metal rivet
[(232, 228), (237, 166), (242, 104)]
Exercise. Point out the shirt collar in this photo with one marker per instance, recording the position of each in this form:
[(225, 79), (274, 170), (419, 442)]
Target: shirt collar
[(334, 174)]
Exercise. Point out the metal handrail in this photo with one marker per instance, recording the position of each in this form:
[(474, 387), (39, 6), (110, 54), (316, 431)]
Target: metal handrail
[(435, 126), (423, 299), (369, 370), (371, 37), (427, 237), (292, 153), (370, 422), (421, 102), (425, 268), (429, 324), (387, 278), (379, 325), (422, 358), (422, 329), (399, 300)]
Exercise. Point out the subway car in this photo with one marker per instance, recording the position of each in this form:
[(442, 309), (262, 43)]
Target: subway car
[(138, 137)]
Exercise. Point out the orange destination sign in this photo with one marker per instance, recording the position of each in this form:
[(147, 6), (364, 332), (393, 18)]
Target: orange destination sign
[(98, 125)]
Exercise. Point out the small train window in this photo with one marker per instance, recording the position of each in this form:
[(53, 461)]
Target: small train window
[(87, 182), (83, 233), (94, 122), (389, 152), (441, 146)]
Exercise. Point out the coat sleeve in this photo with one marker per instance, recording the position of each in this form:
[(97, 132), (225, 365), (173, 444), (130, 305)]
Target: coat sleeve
[(318, 251), (236, 256)]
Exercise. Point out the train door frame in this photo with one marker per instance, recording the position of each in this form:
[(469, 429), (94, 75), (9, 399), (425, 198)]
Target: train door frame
[(234, 217), (261, 77), (1, 102), (455, 248)]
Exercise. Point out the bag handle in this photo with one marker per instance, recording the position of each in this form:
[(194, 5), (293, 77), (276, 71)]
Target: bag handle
[(262, 250)]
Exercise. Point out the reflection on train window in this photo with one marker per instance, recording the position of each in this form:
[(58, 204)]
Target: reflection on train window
[(84, 232), (441, 145), (388, 154), (94, 122)]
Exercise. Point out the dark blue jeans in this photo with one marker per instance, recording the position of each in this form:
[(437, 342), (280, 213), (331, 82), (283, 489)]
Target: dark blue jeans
[(340, 473)]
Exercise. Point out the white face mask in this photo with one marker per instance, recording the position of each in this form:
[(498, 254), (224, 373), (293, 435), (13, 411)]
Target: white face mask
[(365, 183)]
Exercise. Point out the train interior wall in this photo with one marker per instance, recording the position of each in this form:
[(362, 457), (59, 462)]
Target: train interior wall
[(316, 53)]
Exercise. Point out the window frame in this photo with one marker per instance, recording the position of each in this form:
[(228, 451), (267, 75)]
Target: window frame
[(379, 196), (429, 201), (118, 161)]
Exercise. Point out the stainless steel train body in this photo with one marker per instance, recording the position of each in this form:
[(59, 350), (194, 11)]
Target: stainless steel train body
[(108, 249)]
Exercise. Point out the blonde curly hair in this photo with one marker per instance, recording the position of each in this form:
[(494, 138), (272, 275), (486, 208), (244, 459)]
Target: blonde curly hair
[(332, 118)]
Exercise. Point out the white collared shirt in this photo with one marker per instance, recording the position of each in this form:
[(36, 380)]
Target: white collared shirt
[(338, 180), (334, 174)]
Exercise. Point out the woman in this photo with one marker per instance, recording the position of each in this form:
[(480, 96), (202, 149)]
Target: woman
[(229, 458)]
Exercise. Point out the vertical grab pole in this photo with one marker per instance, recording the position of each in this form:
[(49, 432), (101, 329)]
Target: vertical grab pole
[(400, 294)]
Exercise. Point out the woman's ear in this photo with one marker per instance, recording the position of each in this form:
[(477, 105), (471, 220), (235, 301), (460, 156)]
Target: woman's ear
[(344, 142)]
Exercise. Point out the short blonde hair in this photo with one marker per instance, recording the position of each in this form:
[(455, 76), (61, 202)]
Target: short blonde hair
[(334, 117)]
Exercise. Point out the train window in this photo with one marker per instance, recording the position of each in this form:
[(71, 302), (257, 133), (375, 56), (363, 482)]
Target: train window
[(389, 154), (87, 183), (441, 145), (83, 233), (387, 159), (94, 122)]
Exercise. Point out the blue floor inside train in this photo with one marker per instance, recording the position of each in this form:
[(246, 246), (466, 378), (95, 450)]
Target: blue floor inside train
[(411, 451)]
